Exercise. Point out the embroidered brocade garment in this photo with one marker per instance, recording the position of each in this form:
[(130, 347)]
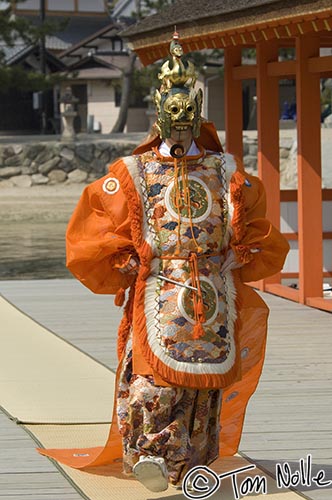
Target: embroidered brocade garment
[(176, 423), (180, 424), (210, 337), (188, 242)]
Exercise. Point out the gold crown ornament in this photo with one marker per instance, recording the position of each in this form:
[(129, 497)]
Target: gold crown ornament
[(178, 104)]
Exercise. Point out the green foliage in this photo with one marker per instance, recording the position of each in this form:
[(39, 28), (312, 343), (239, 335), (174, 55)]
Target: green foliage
[(15, 28), (28, 81)]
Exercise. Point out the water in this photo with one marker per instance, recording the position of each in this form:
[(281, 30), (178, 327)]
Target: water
[(32, 250)]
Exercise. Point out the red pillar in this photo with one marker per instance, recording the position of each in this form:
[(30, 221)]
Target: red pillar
[(233, 102), (268, 134), (309, 171)]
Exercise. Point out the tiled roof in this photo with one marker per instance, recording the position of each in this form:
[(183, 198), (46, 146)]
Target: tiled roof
[(15, 52), (194, 13), (108, 31), (190, 11), (77, 28), (225, 23), (55, 43)]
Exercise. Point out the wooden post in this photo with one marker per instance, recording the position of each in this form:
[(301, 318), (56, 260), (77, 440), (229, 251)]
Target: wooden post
[(233, 102), (309, 171), (268, 134)]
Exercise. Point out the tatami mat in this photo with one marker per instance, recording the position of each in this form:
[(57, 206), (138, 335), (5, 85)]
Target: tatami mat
[(104, 483), (53, 389), (43, 379)]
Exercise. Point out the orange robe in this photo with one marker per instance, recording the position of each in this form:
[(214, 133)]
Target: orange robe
[(110, 225)]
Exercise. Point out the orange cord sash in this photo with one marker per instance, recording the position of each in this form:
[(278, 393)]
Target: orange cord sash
[(197, 297)]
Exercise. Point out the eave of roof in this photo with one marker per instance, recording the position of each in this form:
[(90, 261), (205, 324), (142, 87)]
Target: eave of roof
[(93, 59), (98, 74), (193, 11), (24, 51), (109, 31), (266, 20)]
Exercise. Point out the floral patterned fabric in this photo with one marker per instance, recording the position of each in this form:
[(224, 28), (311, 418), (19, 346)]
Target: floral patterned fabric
[(197, 226), (177, 423), (181, 425)]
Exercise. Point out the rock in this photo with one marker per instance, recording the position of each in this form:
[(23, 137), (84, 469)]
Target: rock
[(77, 176), (284, 153), (13, 161), (250, 162), (253, 149), (7, 183), (99, 166), (7, 172), (67, 153), (45, 156), (66, 165), (105, 157), (328, 121), (120, 151), (26, 162), (33, 150), (25, 171), (22, 181), (245, 148), (85, 152), (286, 142), (38, 179), (288, 173), (128, 150), (56, 176), (8, 151), (101, 147), (84, 165), (18, 148), (93, 177), (49, 165), (34, 168)]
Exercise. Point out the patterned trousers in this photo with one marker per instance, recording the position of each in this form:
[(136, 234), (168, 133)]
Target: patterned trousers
[(176, 423)]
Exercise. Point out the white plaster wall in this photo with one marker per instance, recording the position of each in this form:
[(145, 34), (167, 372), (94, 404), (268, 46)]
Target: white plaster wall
[(61, 5), (91, 6), (101, 104)]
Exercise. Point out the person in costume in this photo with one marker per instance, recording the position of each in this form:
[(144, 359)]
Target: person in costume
[(176, 230)]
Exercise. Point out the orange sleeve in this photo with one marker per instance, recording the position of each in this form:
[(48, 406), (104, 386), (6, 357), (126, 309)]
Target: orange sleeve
[(98, 240), (262, 249)]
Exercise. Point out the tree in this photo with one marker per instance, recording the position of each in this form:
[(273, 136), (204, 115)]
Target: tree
[(12, 30), (127, 79), (143, 8), (145, 77)]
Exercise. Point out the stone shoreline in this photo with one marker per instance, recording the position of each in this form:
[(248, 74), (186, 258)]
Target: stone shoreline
[(29, 162)]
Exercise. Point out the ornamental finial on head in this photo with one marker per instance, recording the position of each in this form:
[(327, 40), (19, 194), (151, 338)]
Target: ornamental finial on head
[(177, 73), (177, 102)]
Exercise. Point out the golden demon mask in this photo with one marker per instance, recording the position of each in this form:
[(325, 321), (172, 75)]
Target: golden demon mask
[(178, 104)]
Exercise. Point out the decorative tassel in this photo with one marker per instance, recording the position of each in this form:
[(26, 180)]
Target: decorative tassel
[(198, 331), (200, 309), (120, 297)]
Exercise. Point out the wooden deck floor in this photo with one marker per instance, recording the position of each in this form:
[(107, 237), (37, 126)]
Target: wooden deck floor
[(288, 418)]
